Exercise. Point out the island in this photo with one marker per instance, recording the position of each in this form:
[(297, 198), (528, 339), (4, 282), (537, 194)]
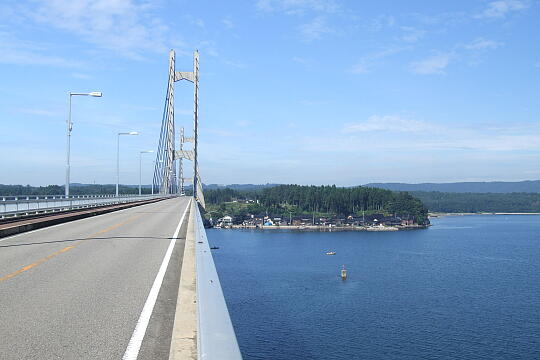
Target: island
[(323, 208)]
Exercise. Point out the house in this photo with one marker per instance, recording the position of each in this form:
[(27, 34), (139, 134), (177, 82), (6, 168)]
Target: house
[(407, 222), (354, 221), (225, 221), (298, 221)]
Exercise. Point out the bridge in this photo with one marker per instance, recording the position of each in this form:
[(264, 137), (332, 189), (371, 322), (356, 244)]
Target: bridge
[(116, 277)]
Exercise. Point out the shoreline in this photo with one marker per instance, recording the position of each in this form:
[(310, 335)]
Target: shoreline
[(326, 228)]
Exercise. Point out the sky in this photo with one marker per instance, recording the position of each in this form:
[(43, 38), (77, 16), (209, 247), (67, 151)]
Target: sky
[(291, 91)]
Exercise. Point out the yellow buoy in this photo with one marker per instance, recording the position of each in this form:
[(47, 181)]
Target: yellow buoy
[(343, 273)]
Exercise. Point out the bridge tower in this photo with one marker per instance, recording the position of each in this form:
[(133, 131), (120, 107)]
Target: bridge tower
[(180, 165), (165, 174), (164, 170), (181, 178)]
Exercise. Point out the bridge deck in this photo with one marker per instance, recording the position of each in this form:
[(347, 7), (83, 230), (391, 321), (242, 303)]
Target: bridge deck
[(76, 290)]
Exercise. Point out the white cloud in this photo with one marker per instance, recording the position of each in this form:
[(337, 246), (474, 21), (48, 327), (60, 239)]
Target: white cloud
[(478, 141), (314, 102), (212, 52), (20, 52), (500, 8), (38, 112), (243, 123), (122, 26), (222, 133), (315, 29), (435, 64), (228, 23), (293, 7), (360, 68), (380, 22), (208, 47), (198, 23), (393, 132), (25, 57), (411, 34), (482, 44), (236, 64), (367, 62), (393, 123), (82, 76), (300, 60), (147, 108)]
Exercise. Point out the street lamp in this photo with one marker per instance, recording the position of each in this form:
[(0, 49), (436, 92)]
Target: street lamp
[(68, 134), (118, 156), (140, 162)]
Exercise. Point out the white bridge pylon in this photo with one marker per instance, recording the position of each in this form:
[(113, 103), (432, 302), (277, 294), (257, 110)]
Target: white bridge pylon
[(166, 179)]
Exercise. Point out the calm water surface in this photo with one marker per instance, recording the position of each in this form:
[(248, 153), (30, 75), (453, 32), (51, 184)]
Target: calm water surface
[(467, 288)]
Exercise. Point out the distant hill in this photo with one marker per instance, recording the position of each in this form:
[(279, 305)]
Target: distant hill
[(451, 202), (239, 187), (72, 185), (529, 186), (500, 187)]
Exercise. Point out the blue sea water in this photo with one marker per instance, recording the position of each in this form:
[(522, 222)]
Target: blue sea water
[(466, 288)]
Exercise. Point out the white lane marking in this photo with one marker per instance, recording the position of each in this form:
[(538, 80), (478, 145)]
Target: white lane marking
[(68, 222), (132, 350)]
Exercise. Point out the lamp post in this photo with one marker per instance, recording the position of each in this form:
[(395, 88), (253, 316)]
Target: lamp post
[(140, 167), (69, 125), (118, 156)]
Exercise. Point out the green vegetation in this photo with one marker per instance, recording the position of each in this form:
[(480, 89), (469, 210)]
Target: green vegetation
[(328, 200), (528, 186), (284, 200), (479, 202)]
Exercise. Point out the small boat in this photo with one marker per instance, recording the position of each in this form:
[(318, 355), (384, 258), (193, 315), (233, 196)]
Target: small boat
[(331, 253), (214, 248)]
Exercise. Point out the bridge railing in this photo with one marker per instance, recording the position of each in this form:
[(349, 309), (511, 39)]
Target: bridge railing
[(21, 205), (216, 338)]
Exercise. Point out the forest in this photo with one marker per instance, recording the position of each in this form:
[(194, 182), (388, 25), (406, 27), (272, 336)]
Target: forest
[(479, 202), (323, 200)]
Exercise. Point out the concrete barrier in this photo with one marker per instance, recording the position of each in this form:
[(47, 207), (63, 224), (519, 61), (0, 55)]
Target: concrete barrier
[(22, 225), (202, 326)]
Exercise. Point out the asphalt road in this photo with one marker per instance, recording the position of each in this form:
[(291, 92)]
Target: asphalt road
[(76, 290)]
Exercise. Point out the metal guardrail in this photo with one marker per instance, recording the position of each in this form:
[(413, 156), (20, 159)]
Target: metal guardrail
[(15, 206), (216, 339)]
